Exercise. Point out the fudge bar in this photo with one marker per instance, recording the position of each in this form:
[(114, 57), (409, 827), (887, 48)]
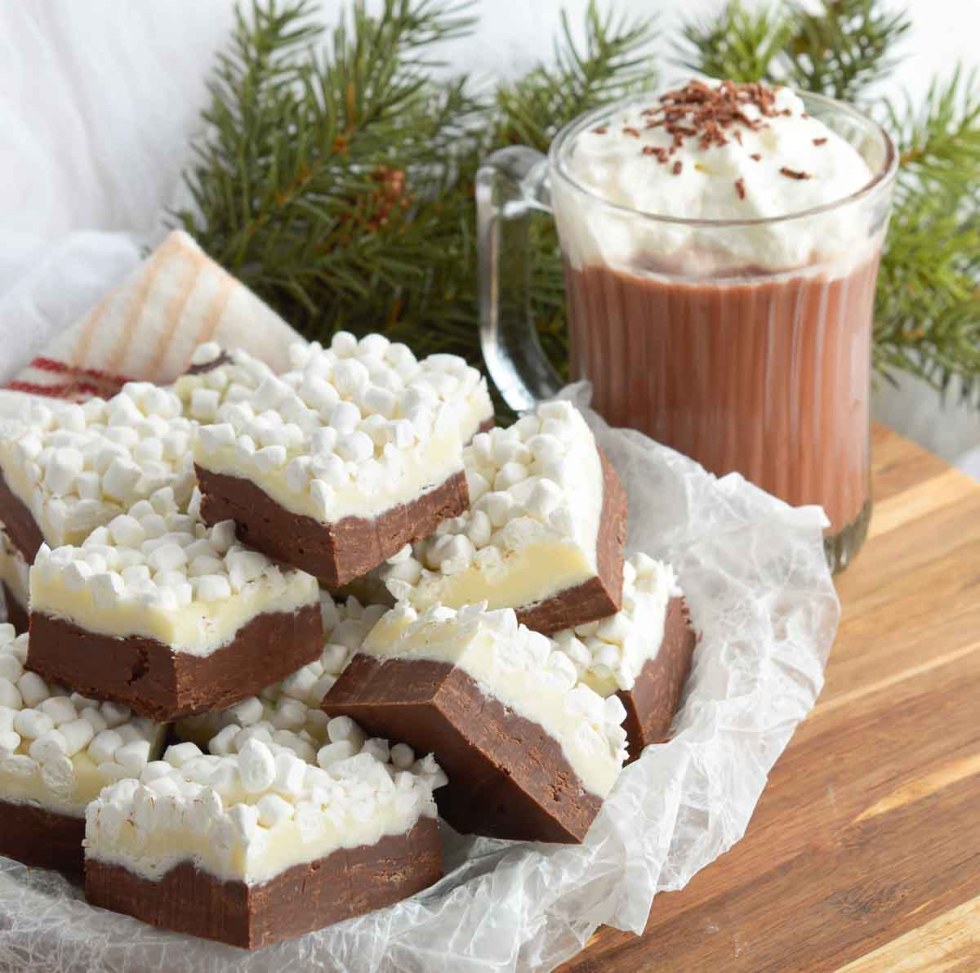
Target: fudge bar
[(333, 467), (530, 752), (544, 534), (14, 582), (216, 376), (642, 653), (57, 751), (71, 468), (169, 616), (294, 703), (258, 846)]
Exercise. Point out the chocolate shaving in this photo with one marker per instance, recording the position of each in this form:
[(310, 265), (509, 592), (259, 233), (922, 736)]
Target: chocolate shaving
[(601, 130), (755, 157), (740, 188), (628, 130), (676, 168), (795, 173), (708, 113), (819, 141)]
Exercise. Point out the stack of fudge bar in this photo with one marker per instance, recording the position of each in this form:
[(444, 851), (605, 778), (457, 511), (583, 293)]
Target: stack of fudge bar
[(187, 558)]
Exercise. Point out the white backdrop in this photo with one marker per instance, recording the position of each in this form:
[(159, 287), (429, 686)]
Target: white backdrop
[(97, 101)]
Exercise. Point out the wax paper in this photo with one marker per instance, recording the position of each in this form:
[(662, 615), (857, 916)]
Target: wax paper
[(760, 595)]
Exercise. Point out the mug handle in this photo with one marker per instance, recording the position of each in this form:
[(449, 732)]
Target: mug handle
[(510, 184)]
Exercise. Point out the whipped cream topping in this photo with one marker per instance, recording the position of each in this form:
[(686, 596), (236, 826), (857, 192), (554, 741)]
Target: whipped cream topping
[(341, 435), (14, 570), (520, 668), (59, 749), (535, 503), (75, 467), (711, 151), (160, 572), (293, 705), (249, 815), (608, 654)]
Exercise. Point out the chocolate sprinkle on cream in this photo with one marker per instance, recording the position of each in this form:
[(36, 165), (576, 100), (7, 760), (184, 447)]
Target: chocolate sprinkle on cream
[(740, 188), (755, 157), (601, 130), (628, 130), (795, 173), (701, 111), (819, 141), (676, 168)]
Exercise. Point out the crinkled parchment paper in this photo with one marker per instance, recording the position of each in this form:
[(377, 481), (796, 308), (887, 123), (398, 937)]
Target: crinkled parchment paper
[(754, 574)]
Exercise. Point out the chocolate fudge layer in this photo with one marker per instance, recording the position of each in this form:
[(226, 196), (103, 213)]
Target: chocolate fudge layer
[(306, 897), (16, 612), (508, 778), (19, 523), (654, 698), (335, 553), (164, 684), (600, 595), (42, 838)]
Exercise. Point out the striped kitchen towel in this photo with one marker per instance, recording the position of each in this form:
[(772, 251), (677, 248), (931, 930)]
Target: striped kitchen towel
[(147, 328)]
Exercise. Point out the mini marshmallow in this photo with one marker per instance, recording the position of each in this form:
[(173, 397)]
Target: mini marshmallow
[(256, 766), (32, 723), (133, 755), (32, 688)]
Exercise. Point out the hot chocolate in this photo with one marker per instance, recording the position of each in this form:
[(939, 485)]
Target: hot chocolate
[(721, 247)]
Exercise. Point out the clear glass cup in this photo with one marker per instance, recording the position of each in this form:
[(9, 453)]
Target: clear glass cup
[(743, 362)]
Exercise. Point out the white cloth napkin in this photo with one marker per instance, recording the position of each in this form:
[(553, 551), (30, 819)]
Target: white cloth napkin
[(148, 326)]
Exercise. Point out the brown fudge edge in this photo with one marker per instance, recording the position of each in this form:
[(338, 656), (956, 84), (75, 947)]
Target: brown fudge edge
[(652, 702), (303, 898), (601, 595), (41, 838), (19, 522), (335, 553), (508, 778), (16, 612), (164, 685)]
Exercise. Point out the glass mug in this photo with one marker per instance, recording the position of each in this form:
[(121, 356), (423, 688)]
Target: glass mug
[(761, 370)]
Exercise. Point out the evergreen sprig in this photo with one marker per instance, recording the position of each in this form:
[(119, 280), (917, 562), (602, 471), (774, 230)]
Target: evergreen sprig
[(335, 176)]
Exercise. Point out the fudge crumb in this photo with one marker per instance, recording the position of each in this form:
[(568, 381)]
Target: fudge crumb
[(795, 173)]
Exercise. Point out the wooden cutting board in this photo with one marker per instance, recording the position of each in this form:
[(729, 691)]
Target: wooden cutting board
[(864, 852)]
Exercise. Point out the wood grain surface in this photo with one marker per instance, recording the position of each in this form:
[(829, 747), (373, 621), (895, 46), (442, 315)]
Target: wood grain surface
[(864, 852)]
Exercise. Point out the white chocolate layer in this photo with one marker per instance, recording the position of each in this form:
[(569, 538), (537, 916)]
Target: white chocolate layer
[(294, 703), (609, 654), (531, 532), (351, 431), (520, 668), (76, 467), (58, 749), (253, 814), (162, 574)]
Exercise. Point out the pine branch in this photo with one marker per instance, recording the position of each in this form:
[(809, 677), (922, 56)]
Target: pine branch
[(737, 44), (609, 65), (843, 47), (928, 299)]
